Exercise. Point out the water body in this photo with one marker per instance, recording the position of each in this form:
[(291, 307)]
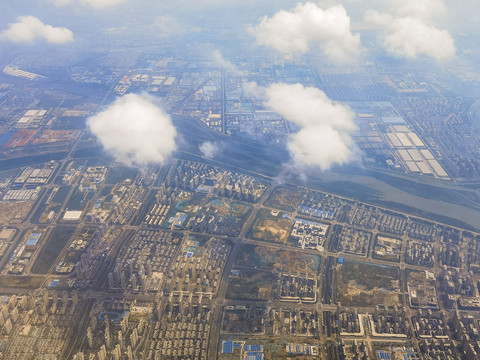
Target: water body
[(236, 152), (453, 204), (4, 138), (443, 202), (449, 207), (13, 163)]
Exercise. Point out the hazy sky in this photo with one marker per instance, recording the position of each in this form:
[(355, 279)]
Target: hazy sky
[(87, 16), (328, 30)]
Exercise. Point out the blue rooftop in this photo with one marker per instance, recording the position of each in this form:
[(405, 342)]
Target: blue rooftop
[(383, 355), (254, 356), (54, 283), (253, 348), (227, 347)]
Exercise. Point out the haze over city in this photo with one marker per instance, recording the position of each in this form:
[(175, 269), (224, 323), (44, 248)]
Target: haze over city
[(239, 179)]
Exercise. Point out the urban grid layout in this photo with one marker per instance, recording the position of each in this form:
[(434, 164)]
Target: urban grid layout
[(192, 189)]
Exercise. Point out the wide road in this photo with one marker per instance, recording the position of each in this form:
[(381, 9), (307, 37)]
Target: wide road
[(216, 322), (222, 291)]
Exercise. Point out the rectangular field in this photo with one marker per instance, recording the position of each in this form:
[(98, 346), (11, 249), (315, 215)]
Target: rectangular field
[(362, 284), (52, 248), (267, 257)]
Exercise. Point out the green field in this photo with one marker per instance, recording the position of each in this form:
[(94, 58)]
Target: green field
[(52, 248), (273, 258), (24, 282), (230, 208), (362, 284), (61, 194), (417, 277), (268, 227), (117, 175), (79, 200), (284, 198), (251, 285), (55, 204)]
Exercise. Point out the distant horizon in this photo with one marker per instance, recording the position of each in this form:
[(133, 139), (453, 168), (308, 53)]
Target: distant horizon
[(239, 179)]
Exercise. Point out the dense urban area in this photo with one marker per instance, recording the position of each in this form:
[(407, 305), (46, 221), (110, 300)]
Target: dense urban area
[(225, 250)]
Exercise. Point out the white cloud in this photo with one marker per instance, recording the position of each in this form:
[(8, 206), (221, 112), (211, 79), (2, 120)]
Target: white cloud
[(222, 62), (410, 37), (101, 4), (308, 27), (308, 105), (320, 145), (210, 149), (61, 2), (324, 138), (97, 4), (409, 32), (28, 29), (254, 89), (422, 9), (135, 130), (168, 25)]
